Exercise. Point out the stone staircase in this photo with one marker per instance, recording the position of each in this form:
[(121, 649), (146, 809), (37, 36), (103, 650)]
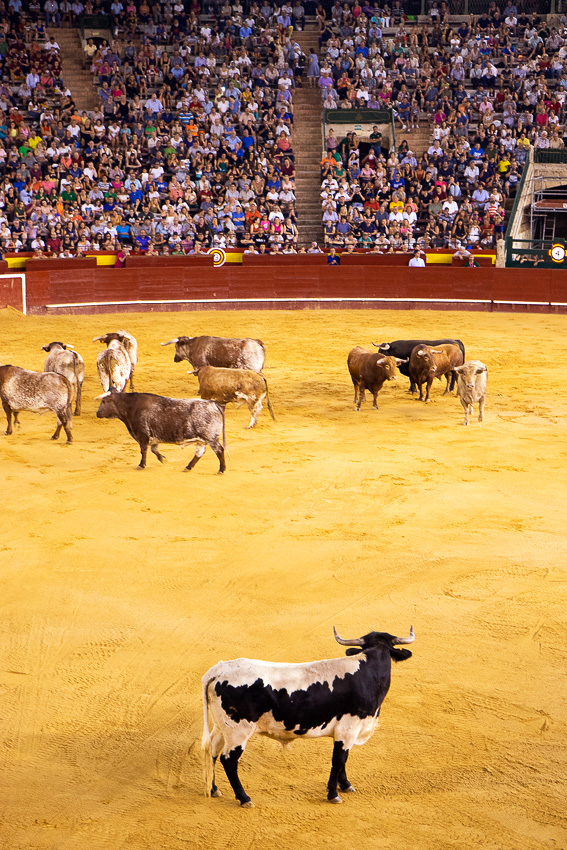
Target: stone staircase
[(308, 146), (77, 78), (418, 140)]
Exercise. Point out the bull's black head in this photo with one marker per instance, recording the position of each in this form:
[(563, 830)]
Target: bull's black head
[(51, 345), (378, 639), (107, 408), (107, 338)]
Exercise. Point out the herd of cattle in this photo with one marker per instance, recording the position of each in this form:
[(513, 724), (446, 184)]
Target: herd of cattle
[(228, 370), (338, 698)]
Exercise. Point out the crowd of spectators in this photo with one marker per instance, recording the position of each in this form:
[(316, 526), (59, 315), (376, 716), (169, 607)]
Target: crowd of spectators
[(490, 88), (189, 146)]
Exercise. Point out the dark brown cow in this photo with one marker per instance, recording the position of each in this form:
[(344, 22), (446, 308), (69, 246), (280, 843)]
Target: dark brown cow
[(154, 419), (217, 351), (369, 371), (427, 363), (36, 392)]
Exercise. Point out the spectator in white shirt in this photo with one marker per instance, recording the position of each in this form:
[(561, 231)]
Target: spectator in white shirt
[(417, 260)]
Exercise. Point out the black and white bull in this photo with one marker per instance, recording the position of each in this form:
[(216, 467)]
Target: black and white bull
[(403, 348), (202, 351), (154, 419), (338, 698)]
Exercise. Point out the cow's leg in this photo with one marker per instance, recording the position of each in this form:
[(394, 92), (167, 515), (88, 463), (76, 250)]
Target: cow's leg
[(412, 387), (255, 410), (66, 418), (375, 400), (361, 395), (355, 385), (8, 412), (466, 409), (429, 383), (229, 761), (218, 449), (447, 378), (453, 380), (199, 452), (143, 441), (63, 421), (421, 392), (154, 447), (481, 402), (338, 773), (217, 742), (132, 380), (16, 417), (78, 398)]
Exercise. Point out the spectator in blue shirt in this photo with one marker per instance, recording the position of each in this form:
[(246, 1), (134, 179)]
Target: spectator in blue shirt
[(143, 240)]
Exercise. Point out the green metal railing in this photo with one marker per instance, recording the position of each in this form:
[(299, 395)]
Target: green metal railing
[(357, 116), (541, 157), (519, 190), (531, 253)]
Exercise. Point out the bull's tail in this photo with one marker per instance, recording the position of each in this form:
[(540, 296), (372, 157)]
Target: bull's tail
[(114, 371), (208, 766), (222, 408), (268, 402)]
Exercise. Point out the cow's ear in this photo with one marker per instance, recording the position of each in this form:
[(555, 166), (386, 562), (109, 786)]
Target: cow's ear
[(399, 654), (353, 650)]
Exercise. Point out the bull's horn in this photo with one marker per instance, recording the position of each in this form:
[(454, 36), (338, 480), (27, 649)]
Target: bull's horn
[(192, 371), (171, 341), (98, 338), (409, 639), (355, 642), (420, 352), (384, 345), (104, 395), (434, 351), (68, 345), (400, 360), (382, 360)]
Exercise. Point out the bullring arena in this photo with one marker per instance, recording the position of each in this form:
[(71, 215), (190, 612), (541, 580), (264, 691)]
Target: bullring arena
[(120, 588)]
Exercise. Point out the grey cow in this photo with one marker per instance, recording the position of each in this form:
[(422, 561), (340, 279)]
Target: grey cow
[(115, 369), (36, 392), (63, 360), (471, 387), (154, 419), (218, 351)]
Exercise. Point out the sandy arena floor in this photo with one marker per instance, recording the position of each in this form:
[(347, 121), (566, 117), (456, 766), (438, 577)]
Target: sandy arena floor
[(120, 588)]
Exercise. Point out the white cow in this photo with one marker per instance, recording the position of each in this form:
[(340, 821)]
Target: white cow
[(471, 387)]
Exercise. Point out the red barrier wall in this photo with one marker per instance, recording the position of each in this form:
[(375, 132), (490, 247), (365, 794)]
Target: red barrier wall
[(275, 283), (10, 292)]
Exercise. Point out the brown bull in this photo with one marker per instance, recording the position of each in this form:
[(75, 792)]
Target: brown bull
[(369, 371), (427, 363), (237, 385)]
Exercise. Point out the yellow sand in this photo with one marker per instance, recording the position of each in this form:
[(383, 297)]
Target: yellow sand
[(120, 588)]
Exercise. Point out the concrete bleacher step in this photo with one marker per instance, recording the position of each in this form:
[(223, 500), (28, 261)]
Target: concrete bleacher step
[(76, 77), (307, 136)]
